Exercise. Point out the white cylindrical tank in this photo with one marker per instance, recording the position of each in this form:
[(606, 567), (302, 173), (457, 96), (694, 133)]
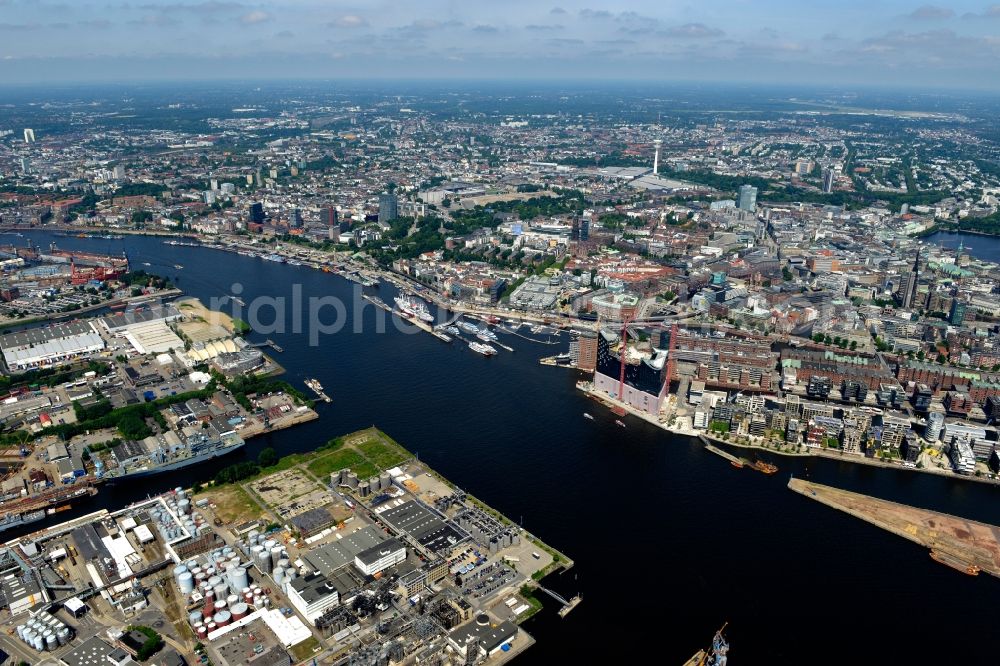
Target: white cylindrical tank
[(279, 577), (221, 590), (194, 617), (263, 561), (63, 636), (186, 583), (239, 578)]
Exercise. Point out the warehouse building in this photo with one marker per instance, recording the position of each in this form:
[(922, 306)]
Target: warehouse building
[(152, 337), (487, 638), (118, 323), (313, 595), (380, 557), (50, 346), (338, 554)]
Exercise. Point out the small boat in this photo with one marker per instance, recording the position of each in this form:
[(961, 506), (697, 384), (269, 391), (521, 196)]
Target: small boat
[(146, 263), (178, 266), (619, 423), (588, 416), (738, 464), (765, 467)]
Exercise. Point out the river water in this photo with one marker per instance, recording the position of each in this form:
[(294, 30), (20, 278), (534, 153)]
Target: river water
[(986, 248), (669, 541)]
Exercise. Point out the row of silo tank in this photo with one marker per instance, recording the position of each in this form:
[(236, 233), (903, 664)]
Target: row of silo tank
[(503, 540), (220, 571), (219, 612), (44, 632)]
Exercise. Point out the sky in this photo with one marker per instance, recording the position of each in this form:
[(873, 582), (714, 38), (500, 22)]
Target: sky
[(875, 42)]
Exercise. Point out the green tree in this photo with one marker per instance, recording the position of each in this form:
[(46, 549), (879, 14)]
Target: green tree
[(267, 457)]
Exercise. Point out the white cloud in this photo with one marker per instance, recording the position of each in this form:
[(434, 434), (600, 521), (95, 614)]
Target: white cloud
[(254, 17), (349, 21)]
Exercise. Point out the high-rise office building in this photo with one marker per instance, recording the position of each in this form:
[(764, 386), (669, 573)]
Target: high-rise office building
[(957, 315), (25, 165), (330, 217), (388, 209), (29, 135), (295, 218), (828, 179), (747, 198), (584, 229), (257, 212), (908, 286)]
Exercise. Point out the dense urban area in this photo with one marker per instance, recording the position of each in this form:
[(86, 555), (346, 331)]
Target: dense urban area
[(760, 280)]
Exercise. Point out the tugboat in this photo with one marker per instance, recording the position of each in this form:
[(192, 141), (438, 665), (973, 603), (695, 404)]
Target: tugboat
[(588, 416)]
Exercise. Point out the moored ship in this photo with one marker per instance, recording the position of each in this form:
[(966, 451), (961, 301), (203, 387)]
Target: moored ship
[(9, 520), (485, 350), (143, 458), (413, 307)]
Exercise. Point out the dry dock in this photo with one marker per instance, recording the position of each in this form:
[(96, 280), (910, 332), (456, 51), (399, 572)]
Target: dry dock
[(965, 545)]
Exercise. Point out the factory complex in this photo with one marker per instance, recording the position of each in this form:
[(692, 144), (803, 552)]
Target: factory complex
[(344, 565)]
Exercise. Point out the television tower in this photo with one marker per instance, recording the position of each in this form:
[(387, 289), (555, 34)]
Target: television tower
[(656, 157)]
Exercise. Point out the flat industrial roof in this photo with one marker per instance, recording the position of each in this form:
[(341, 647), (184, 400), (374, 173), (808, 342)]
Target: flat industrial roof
[(423, 525), (337, 554), (154, 313), (41, 335), (93, 652)]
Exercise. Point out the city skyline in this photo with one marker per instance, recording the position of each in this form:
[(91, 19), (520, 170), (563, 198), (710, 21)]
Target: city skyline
[(896, 43)]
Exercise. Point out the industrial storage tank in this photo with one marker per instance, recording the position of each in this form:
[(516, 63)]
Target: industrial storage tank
[(279, 577), (221, 590), (51, 642), (184, 506), (240, 579), (38, 642), (222, 618), (194, 617), (220, 605), (202, 631), (239, 610), (282, 563), (352, 480), (364, 489), (179, 569), (384, 481), (63, 636), (186, 583), (263, 561), (232, 599)]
